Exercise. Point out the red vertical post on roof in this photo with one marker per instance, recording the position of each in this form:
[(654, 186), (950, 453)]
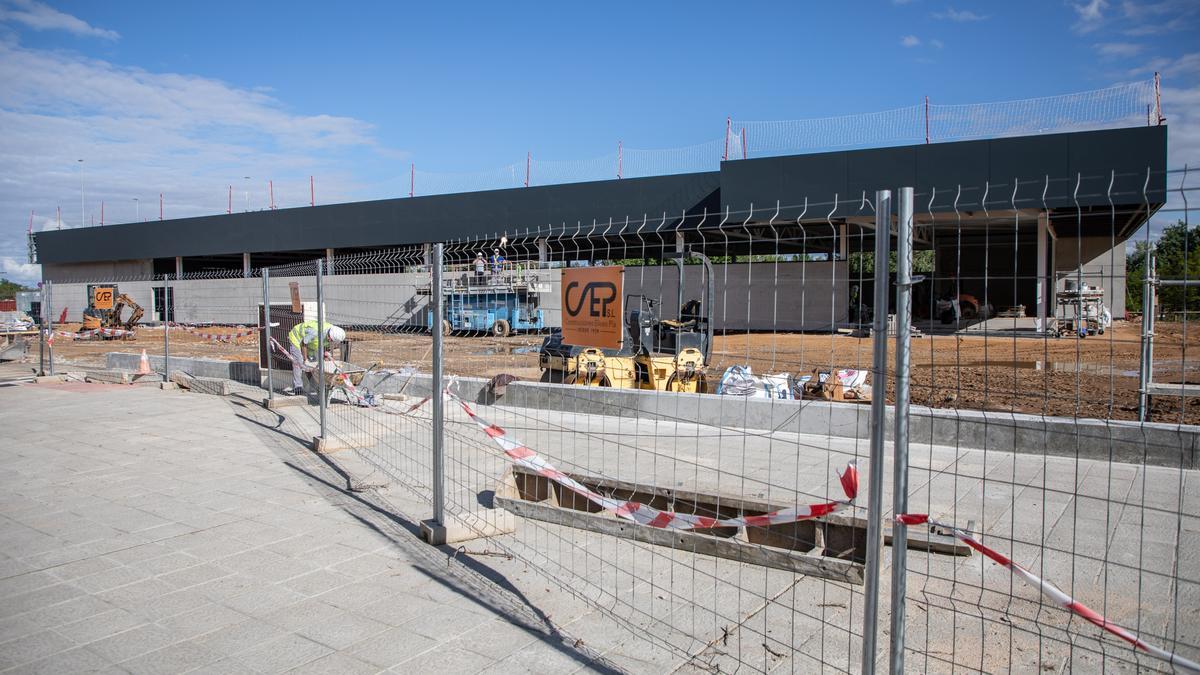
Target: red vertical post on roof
[(744, 152), (229, 207), (271, 194), (620, 159), (160, 206), (312, 192), (59, 216), (926, 120), (728, 123)]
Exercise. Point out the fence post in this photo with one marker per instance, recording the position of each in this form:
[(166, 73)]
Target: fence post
[(321, 346), (436, 387), (48, 311), (883, 231), (43, 327), (166, 318), (1146, 366), (266, 333), (904, 281)]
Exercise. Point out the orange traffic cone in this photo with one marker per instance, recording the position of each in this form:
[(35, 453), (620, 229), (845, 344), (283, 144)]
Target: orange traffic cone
[(144, 367)]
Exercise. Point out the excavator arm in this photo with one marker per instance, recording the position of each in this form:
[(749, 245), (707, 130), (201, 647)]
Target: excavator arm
[(135, 313)]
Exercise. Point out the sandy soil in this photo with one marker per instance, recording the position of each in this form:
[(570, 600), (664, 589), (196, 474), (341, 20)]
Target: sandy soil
[(1095, 377)]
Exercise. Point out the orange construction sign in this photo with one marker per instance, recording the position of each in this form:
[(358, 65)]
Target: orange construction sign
[(102, 297), (591, 306)]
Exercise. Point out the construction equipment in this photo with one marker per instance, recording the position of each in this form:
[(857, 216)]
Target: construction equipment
[(105, 306), (498, 304), (656, 354), (1081, 310)]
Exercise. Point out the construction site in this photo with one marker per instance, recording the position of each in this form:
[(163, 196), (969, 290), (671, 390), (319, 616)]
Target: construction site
[(948, 371), (679, 423)]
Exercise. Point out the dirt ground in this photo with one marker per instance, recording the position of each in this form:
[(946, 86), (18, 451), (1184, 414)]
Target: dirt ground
[(1095, 377)]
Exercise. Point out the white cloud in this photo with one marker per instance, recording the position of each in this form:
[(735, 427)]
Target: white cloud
[(142, 133), (20, 271), (1090, 15), (1118, 49), (910, 41), (39, 16), (959, 15), (1159, 18), (936, 44)]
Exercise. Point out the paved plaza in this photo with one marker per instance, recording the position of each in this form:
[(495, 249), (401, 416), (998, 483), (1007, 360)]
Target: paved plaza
[(144, 530), (148, 531)]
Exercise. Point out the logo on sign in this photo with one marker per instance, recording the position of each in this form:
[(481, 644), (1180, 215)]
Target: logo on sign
[(591, 303), (597, 295), (102, 297)]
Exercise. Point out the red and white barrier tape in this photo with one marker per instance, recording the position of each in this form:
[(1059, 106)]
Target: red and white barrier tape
[(116, 332), (242, 332), (644, 514), (288, 355), (1054, 593)]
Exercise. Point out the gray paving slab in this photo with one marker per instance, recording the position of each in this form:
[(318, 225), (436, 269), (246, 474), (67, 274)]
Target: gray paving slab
[(200, 542)]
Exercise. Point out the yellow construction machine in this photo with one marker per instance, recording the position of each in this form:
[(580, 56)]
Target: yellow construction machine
[(105, 306), (656, 354)]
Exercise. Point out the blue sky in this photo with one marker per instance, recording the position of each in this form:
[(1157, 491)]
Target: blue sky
[(187, 98)]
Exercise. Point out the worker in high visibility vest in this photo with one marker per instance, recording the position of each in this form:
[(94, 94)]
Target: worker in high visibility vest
[(302, 341)]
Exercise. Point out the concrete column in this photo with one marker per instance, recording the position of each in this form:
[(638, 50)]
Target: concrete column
[(1042, 309), (543, 247), (178, 266), (679, 242), (328, 261), (844, 241), (246, 265)]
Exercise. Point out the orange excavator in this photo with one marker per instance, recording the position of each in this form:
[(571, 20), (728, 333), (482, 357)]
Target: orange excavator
[(96, 316)]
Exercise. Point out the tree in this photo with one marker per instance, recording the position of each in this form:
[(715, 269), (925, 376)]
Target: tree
[(1177, 256), (864, 263), (8, 289)]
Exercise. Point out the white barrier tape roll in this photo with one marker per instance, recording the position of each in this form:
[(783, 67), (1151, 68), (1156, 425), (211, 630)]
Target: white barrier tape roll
[(1055, 593), (647, 515)]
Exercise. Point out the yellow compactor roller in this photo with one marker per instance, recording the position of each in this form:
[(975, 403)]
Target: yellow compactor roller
[(656, 354)]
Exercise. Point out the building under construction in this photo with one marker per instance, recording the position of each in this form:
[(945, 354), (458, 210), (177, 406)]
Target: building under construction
[(1007, 220)]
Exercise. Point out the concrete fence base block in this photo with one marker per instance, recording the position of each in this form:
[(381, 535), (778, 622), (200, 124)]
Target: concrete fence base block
[(465, 527), (167, 386), (108, 376), (279, 401), (50, 379), (342, 442)]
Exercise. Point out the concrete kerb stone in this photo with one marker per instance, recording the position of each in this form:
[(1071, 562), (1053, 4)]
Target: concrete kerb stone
[(238, 371), (1154, 444), (1151, 443), (109, 376), (202, 385)]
